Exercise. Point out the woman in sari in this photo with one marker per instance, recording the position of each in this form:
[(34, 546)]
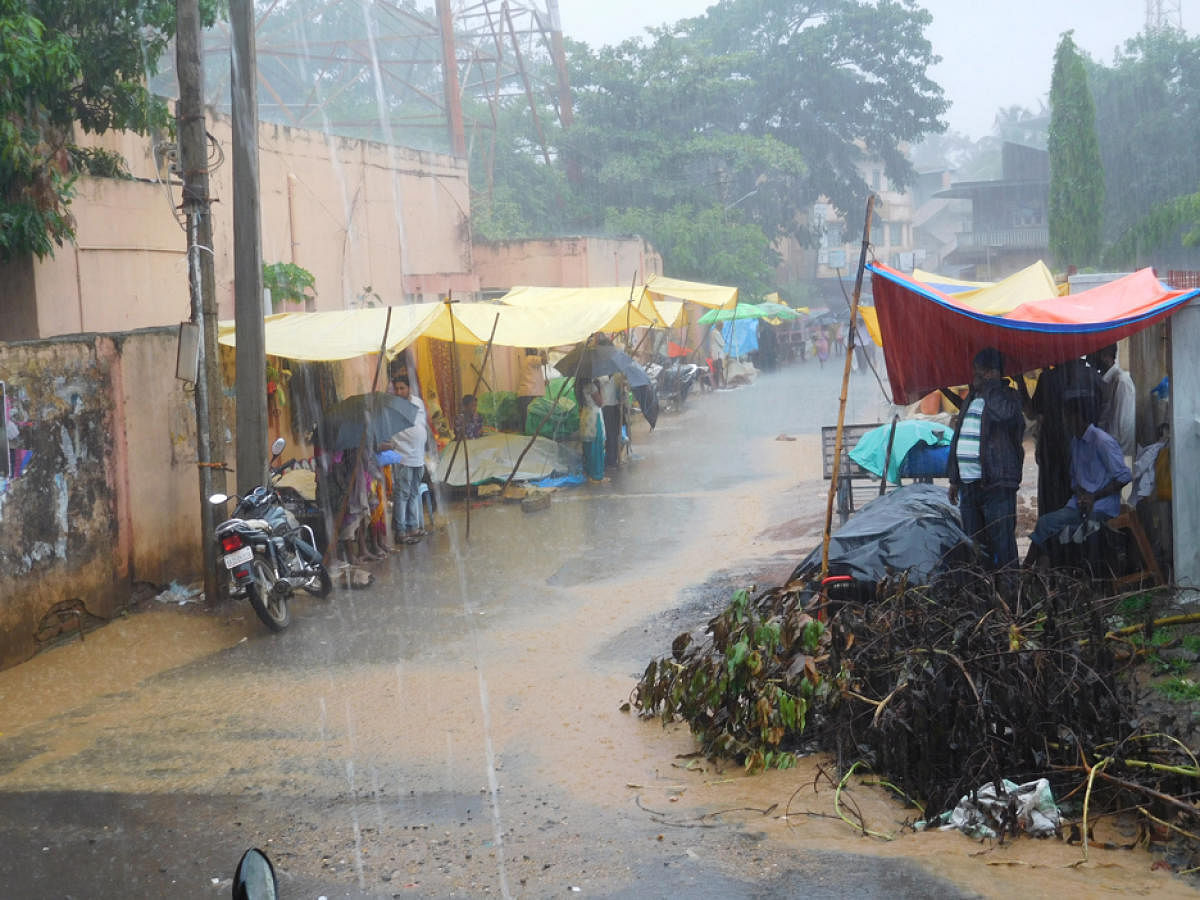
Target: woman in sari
[(591, 432)]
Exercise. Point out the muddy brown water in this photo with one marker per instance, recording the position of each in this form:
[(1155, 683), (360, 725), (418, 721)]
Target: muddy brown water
[(455, 729)]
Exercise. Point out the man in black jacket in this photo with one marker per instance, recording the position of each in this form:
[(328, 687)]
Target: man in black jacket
[(986, 457)]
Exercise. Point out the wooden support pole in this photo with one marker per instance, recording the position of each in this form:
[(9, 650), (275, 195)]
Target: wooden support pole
[(251, 377), (837, 442), (478, 380)]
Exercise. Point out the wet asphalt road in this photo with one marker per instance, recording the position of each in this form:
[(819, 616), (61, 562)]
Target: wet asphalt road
[(452, 730)]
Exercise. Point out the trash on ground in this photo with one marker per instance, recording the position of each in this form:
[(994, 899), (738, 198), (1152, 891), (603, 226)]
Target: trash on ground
[(181, 594), (1028, 808)]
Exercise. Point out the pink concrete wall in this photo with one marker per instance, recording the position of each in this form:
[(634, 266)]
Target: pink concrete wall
[(356, 214), (564, 262)]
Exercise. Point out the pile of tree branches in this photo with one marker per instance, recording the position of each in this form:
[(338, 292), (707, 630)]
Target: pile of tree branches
[(939, 688)]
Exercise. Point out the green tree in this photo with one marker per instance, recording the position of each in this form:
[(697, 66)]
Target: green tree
[(776, 97), (1076, 204), (704, 245), (714, 136), (1148, 121), (1151, 239), (67, 65)]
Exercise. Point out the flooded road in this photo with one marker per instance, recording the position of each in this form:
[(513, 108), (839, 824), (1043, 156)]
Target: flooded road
[(455, 729)]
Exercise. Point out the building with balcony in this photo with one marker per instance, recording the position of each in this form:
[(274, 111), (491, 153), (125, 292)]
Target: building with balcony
[(1007, 229)]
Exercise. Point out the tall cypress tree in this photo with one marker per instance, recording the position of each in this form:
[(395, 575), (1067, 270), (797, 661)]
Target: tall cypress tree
[(1076, 173)]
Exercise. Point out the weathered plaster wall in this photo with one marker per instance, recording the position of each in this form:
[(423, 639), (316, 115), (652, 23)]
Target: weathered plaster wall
[(356, 214), (564, 262), (97, 417), (155, 414)]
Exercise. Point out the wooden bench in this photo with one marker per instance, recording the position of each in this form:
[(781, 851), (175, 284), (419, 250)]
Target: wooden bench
[(848, 471)]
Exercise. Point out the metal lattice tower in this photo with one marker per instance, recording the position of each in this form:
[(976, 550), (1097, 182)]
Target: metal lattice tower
[(1163, 14), (376, 68)]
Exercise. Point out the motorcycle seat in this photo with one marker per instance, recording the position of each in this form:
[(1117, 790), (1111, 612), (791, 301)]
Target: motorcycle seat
[(258, 524)]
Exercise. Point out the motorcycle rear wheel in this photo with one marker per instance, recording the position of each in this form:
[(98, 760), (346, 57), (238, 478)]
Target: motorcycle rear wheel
[(320, 584), (269, 605)]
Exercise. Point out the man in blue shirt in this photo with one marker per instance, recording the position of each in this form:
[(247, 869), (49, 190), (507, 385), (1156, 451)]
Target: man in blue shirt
[(1098, 472)]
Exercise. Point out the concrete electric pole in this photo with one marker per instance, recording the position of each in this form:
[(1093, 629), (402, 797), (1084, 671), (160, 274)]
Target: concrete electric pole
[(196, 205), (247, 255)]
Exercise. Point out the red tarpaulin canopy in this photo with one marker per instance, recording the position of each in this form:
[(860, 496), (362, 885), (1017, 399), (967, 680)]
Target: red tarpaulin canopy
[(929, 339)]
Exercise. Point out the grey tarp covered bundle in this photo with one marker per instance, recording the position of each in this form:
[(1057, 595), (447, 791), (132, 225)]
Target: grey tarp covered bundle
[(1029, 807), (493, 456), (914, 529)]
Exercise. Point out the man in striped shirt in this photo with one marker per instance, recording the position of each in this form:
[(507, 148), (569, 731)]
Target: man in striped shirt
[(986, 457)]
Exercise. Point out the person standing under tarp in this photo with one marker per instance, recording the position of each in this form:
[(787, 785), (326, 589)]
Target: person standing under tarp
[(610, 402), (1117, 408), (986, 455), (406, 477), (1073, 378), (532, 382), (591, 430)]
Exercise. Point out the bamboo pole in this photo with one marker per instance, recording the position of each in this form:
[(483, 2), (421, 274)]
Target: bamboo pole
[(457, 395), (459, 440), (837, 443), (478, 380)]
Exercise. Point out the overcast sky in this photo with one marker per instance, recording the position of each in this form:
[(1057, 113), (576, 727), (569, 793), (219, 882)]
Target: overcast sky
[(994, 52)]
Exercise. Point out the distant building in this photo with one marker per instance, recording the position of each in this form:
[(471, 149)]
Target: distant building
[(834, 259), (937, 221), (1008, 227)]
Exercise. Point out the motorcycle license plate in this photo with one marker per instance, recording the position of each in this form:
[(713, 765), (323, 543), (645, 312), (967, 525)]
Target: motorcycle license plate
[(240, 557)]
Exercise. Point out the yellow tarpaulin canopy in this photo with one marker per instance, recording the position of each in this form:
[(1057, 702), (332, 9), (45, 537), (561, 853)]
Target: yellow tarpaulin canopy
[(604, 295), (670, 312), (714, 296), (348, 333), (935, 278), (551, 324), (1031, 283)]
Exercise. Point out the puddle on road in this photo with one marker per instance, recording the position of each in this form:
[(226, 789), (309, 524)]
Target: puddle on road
[(111, 659)]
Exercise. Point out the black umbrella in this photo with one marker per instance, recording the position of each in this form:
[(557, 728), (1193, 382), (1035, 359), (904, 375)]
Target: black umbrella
[(380, 415), (592, 362)]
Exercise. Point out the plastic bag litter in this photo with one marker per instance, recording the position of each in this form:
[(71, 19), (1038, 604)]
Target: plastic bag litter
[(180, 594), (1028, 807)]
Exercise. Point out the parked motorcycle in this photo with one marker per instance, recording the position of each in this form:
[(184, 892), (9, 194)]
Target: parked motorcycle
[(674, 380), (267, 552)]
